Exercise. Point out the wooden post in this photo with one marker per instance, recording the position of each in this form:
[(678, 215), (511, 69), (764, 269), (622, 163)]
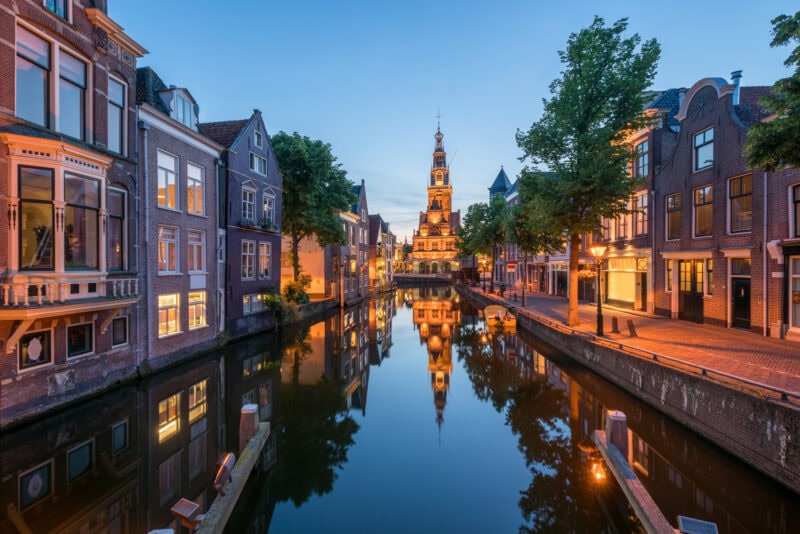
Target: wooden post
[(617, 431), (248, 422)]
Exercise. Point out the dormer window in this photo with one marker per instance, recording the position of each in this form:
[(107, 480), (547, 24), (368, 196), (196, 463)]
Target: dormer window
[(259, 139), (183, 111)]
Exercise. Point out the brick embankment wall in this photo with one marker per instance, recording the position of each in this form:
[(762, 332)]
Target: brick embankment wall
[(764, 432)]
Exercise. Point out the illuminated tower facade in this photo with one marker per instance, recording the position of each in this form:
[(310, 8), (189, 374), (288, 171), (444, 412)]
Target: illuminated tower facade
[(434, 242)]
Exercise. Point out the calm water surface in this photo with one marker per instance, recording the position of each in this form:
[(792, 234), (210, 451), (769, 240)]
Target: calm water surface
[(402, 414)]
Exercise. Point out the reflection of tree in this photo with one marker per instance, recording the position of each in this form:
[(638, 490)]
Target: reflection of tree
[(316, 431)]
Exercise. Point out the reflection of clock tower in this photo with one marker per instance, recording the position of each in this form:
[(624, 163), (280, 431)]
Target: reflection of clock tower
[(434, 247)]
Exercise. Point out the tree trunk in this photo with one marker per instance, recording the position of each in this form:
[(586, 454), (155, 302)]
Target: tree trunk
[(494, 266), (524, 276), (296, 256), (574, 253)]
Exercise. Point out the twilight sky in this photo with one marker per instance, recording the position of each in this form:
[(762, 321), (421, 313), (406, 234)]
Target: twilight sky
[(369, 76)]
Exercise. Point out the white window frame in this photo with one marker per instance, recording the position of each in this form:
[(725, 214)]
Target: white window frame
[(268, 202), (50, 356), (258, 164), (180, 110), (248, 204), (696, 148), (166, 308), (173, 173), (695, 207), (248, 257), (258, 138), (192, 184), (196, 241), (197, 309), (264, 245), (169, 244), (123, 142)]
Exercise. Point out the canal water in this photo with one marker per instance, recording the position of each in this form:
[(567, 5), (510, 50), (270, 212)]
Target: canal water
[(402, 414)]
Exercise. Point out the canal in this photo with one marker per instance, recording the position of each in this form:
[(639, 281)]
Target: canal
[(400, 414)]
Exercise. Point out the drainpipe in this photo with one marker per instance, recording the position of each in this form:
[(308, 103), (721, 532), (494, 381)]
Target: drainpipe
[(736, 78), (764, 253), (144, 127)]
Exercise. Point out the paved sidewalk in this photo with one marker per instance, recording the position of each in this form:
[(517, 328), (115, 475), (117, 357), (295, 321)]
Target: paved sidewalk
[(773, 362)]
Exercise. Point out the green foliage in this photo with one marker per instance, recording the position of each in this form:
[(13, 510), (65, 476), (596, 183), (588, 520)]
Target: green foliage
[(315, 190), (529, 224), (295, 291), (483, 229), (775, 144)]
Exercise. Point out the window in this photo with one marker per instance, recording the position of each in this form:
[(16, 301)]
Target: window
[(704, 149), (197, 400), (248, 259), (183, 111), (741, 199), (642, 160), (169, 417), (259, 139), (622, 226), (33, 78), (264, 256), (36, 219), (34, 349), (80, 460), (269, 208), (709, 276), (703, 210), (82, 196), (640, 216), (119, 437), (197, 245), (168, 308), (197, 309), (167, 250), (198, 455), (59, 7), (740, 266), (80, 339), (169, 479), (796, 203), (71, 95), (248, 205), (117, 229), (674, 216), (119, 331), (167, 180), (669, 275), (195, 189), (116, 116), (35, 485), (258, 164)]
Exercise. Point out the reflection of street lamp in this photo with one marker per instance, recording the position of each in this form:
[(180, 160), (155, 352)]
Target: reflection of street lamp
[(483, 270), (597, 251)]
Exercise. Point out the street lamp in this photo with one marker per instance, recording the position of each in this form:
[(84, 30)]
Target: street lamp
[(598, 250)]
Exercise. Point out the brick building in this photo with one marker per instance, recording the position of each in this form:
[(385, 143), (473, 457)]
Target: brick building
[(251, 196), (68, 260), (177, 223), (381, 253)]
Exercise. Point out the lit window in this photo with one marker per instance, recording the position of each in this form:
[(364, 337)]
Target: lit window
[(167, 250), (248, 259), (71, 95), (36, 219), (741, 202), (195, 189), (80, 339), (642, 160), (119, 331), (197, 247), (183, 111), (197, 309), (258, 164), (80, 461), (34, 349), (264, 256), (169, 417), (703, 210), (81, 222), (197, 400), (704, 149), (269, 208), (116, 116), (640, 214), (259, 139), (117, 229), (248, 205), (669, 275), (709, 276), (674, 216), (167, 180), (33, 77), (168, 319)]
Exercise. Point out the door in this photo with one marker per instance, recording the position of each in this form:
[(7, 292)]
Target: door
[(690, 284), (641, 286), (741, 302)]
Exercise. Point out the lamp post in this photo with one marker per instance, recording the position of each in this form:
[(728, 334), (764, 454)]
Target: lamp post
[(597, 251)]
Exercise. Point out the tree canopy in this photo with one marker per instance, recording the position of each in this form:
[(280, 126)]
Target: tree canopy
[(775, 144), (583, 135), (483, 229), (315, 190)]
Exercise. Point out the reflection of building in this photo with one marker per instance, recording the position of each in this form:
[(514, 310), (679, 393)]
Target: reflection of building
[(381, 311), (381, 253), (434, 242), (436, 314)]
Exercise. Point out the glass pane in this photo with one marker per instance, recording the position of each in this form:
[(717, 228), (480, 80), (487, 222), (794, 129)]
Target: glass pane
[(166, 232), (80, 238), (119, 437), (33, 47), (34, 349), (166, 161), (31, 103), (81, 191), (59, 7), (70, 115), (116, 203), (705, 155), (115, 243), (116, 92), (36, 184), (72, 69), (119, 331), (79, 339), (36, 236), (115, 128)]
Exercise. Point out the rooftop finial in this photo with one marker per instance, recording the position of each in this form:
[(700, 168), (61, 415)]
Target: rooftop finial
[(438, 117)]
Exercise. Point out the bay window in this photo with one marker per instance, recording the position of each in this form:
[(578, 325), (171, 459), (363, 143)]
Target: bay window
[(36, 219), (82, 196)]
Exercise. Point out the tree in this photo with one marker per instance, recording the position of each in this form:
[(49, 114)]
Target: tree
[(483, 230), (775, 144), (582, 135), (315, 191), (528, 224), (469, 233)]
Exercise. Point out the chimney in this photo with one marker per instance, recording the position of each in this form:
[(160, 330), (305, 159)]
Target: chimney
[(736, 78)]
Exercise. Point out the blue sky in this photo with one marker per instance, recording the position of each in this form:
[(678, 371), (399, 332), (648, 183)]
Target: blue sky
[(369, 76)]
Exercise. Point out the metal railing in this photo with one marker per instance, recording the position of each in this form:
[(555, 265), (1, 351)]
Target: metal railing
[(52, 291)]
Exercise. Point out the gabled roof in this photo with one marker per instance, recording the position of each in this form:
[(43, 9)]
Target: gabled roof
[(500, 184), (357, 192), (669, 100), (223, 132), (513, 189), (749, 110)]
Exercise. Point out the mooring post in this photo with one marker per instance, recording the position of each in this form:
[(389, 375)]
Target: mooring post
[(617, 431), (614, 325)]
